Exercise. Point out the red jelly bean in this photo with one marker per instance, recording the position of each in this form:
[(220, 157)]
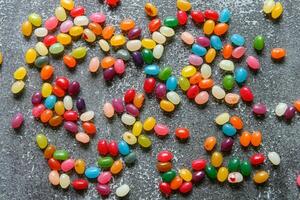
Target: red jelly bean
[(197, 16), (58, 91), (149, 85), (186, 187), (246, 94), (112, 3), (165, 189), (89, 128), (80, 184), (77, 11), (54, 164), (154, 25), (211, 14), (182, 17), (192, 91), (164, 156), (49, 40), (71, 115), (257, 159), (198, 164), (113, 148), (62, 82), (182, 133), (102, 147), (129, 95)]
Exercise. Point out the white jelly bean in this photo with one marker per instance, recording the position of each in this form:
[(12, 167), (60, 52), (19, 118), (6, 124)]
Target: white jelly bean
[(166, 31), (222, 118), (64, 181), (226, 65), (68, 102), (123, 190), (274, 158), (40, 32), (280, 109), (173, 97), (87, 116), (158, 51), (235, 177), (158, 37), (205, 71), (218, 92), (104, 45), (134, 45), (129, 138), (81, 21), (128, 119)]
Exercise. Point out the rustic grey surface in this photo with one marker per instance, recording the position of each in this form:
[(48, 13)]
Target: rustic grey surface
[(24, 171)]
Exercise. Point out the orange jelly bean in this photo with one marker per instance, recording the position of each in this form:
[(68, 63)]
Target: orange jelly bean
[(227, 51), (46, 115), (138, 100), (154, 25), (278, 53), (55, 121), (196, 78), (176, 183), (245, 139), (49, 151), (236, 122), (127, 24), (89, 128), (206, 84), (117, 167), (58, 91), (108, 32), (46, 72), (95, 28), (256, 138), (221, 29), (210, 55), (297, 105), (107, 62), (164, 166), (69, 61), (210, 143)]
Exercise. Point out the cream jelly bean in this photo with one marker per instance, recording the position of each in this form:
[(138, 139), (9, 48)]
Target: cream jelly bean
[(158, 51), (158, 37), (218, 92), (227, 65), (128, 119)]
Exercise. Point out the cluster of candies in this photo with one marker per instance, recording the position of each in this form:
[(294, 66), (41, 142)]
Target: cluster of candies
[(282, 109), (19, 75), (273, 9)]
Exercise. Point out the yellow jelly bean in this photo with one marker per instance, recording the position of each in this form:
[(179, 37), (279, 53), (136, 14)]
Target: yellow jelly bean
[(137, 128), (188, 71), (166, 106), (117, 40), (20, 73), (17, 87), (35, 19), (185, 174), (148, 43), (60, 14), (67, 4), (64, 39), (183, 5), (30, 56), (76, 31), (129, 138), (260, 177), (27, 28), (59, 108), (151, 10), (149, 123), (222, 174), (208, 27), (46, 89), (210, 55), (216, 159), (41, 49), (89, 35), (79, 166), (41, 141), (277, 10), (268, 6)]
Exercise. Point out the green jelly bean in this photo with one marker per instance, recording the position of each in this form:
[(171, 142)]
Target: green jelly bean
[(130, 158), (56, 49), (211, 172), (234, 165), (184, 83), (147, 56), (246, 168), (259, 43), (144, 141), (79, 52), (41, 141), (165, 73), (123, 54), (171, 22), (228, 82), (61, 155), (35, 19), (105, 162), (41, 61), (168, 176)]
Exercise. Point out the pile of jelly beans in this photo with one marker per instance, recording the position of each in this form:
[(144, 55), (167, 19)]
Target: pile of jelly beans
[(273, 9)]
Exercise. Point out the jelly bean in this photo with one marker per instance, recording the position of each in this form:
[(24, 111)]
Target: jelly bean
[(188, 71), (89, 128), (144, 141), (35, 19), (235, 177), (225, 15), (185, 174), (210, 143), (227, 65), (117, 40), (167, 106), (128, 119), (171, 22), (150, 9), (148, 43), (66, 26), (68, 102), (245, 168), (60, 14), (89, 35), (74, 88), (158, 37), (17, 121), (216, 159), (211, 14), (117, 167), (197, 16), (298, 180), (82, 137), (26, 28), (210, 55), (92, 172), (274, 158), (198, 50), (277, 10), (94, 64), (186, 187), (61, 155), (62, 82), (198, 164), (41, 49), (253, 63), (227, 51), (259, 43), (67, 165), (107, 62), (227, 144), (49, 40), (87, 116), (134, 45), (222, 174), (246, 94), (123, 148), (290, 113), (30, 56), (50, 101), (165, 189), (256, 138), (118, 105), (238, 52), (228, 82), (97, 17), (105, 162), (167, 31), (164, 166), (80, 184), (259, 109), (211, 172), (237, 40), (278, 53), (137, 58), (297, 105), (195, 60), (38, 110), (221, 29), (203, 41), (104, 177), (228, 130), (173, 97), (168, 176), (20, 73), (147, 56), (103, 190), (41, 32), (69, 61), (127, 24), (134, 33), (198, 176), (161, 130), (149, 123), (123, 54), (184, 83), (236, 122), (182, 133), (81, 21), (268, 6), (46, 72), (95, 28), (216, 42), (154, 25), (55, 121), (280, 109), (234, 164), (79, 52), (208, 27), (67, 4), (64, 181), (183, 5), (192, 92), (240, 75), (36, 98), (232, 99), (123, 190), (257, 159), (48, 152), (54, 164), (129, 138), (202, 98), (54, 177), (182, 17), (164, 156), (108, 32), (196, 78), (102, 147), (222, 118), (76, 31), (46, 115), (158, 51), (260, 177), (51, 23), (176, 183), (218, 92), (130, 158)]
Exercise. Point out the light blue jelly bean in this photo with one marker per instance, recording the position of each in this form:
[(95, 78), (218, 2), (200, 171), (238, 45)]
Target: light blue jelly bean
[(228, 130), (152, 70), (50, 101), (198, 50), (225, 15), (172, 83), (216, 42), (92, 172), (240, 75), (123, 148), (237, 39)]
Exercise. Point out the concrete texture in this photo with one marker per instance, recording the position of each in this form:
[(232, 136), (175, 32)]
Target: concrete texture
[(24, 171)]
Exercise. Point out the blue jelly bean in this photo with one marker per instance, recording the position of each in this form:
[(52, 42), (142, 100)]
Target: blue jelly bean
[(240, 75), (216, 42), (225, 15), (198, 50), (152, 70), (228, 130), (172, 83), (237, 39), (92, 172), (50, 101), (123, 148)]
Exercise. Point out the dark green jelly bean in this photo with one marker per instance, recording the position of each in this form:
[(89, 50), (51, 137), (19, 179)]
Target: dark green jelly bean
[(245, 168), (168, 176), (259, 43), (228, 82), (234, 165), (56, 49), (171, 22), (105, 162), (147, 56), (130, 158), (123, 54), (211, 172), (61, 155), (41, 61), (165, 73)]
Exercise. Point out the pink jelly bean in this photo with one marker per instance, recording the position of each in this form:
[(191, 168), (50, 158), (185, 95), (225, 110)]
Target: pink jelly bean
[(37, 110), (195, 60), (51, 23), (118, 105), (161, 129), (238, 52), (104, 177), (298, 180), (103, 190), (203, 41), (17, 121), (66, 26), (119, 66), (67, 165), (253, 63), (98, 18), (259, 109), (202, 98)]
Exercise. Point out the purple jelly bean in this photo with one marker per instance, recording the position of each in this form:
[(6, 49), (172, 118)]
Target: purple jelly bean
[(198, 176), (74, 88), (103, 190), (290, 113), (259, 109), (17, 120), (36, 98), (132, 110), (109, 74), (80, 104), (227, 144), (195, 60), (137, 58), (160, 90), (118, 105), (134, 33), (71, 127), (203, 41)]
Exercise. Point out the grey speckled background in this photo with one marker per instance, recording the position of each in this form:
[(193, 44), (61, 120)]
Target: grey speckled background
[(24, 172)]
